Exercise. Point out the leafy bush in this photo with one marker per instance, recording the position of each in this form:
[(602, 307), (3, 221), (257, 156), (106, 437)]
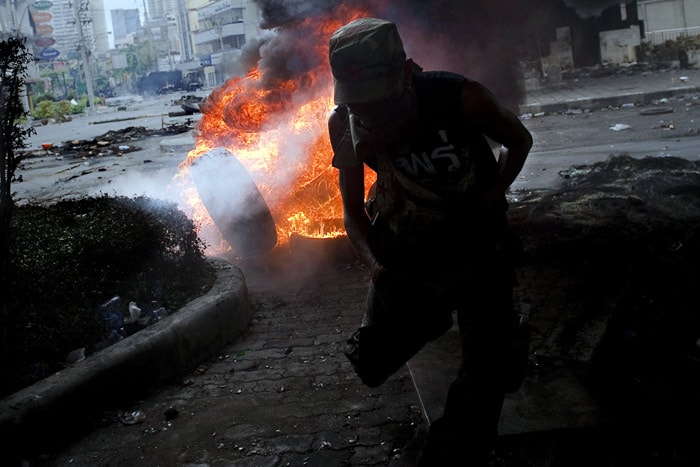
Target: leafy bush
[(50, 109), (668, 51), (70, 257), (63, 108), (43, 110), (79, 107)]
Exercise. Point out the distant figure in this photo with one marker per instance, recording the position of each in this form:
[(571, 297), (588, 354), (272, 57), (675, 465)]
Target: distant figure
[(433, 232)]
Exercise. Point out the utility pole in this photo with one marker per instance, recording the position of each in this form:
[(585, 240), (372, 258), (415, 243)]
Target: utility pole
[(84, 56), (148, 38)]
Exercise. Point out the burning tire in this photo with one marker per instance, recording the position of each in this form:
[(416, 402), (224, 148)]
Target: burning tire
[(234, 203)]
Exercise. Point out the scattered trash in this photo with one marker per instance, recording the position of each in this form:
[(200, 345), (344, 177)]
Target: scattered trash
[(124, 320), (158, 314), (46, 146), (110, 143), (656, 111), (190, 104), (132, 418), (575, 171), (134, 313), (75, 356), (620, 127), (325, 445), (110, 312), (628, 105)]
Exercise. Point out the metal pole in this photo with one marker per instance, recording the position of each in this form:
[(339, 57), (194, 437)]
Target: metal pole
[(85, 57), (148, 38)]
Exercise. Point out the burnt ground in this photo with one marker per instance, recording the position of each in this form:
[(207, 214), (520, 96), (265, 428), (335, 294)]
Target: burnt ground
[(613, 255)]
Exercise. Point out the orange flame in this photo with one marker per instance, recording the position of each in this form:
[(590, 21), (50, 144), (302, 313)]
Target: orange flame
[(279, 133)]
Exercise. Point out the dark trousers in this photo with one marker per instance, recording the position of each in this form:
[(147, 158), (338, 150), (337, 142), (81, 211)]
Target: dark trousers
[(410, 309)]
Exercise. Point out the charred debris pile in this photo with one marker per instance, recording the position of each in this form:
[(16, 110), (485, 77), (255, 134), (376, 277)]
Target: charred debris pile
[(624, 235), (111, 143)]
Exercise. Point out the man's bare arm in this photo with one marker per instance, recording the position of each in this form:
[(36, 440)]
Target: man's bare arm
[(502, 126), (357, 223)]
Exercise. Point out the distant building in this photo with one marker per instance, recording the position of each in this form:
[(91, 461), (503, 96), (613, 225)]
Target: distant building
[(669, 19), (125, 23), (220, 29), (15, 19), (160, 8)]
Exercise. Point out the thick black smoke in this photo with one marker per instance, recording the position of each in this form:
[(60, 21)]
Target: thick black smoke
[(484, 40), (279, 13)]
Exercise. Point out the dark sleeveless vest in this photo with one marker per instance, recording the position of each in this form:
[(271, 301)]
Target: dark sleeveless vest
[(438, 170)]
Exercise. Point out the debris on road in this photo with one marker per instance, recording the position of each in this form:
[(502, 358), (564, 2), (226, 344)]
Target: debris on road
[(110, 143), (620, 127)]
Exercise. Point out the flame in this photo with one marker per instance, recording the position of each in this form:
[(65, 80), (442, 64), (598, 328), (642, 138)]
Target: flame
[(277, 128)]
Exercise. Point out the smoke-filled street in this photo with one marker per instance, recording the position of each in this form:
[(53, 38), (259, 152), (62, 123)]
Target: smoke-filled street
[(607, 207), (597, 283)]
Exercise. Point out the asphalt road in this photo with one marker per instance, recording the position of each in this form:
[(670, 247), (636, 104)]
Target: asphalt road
[(560, 142), (564, 140), (150, 112), (146, 166)]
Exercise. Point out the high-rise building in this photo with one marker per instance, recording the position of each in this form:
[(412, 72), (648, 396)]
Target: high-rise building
[(125, 22), (15, 19), (219, 30), (161, 9)]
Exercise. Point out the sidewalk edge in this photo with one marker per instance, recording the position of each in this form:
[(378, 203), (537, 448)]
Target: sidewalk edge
[(156, 354)]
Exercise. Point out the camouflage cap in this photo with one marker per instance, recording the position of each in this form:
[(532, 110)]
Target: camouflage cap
[(367, 60)]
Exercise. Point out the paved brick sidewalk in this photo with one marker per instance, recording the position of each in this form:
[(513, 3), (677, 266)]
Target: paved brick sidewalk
[(283, 394)]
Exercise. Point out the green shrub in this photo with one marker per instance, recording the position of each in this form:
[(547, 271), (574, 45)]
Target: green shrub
[(63, 108), (43, 109), (72, 256), (79, 107)]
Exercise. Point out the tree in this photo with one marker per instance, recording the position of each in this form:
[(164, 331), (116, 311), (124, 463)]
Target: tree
[(14, 58)]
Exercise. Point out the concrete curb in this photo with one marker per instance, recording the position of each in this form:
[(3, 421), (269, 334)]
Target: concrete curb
[(592, 103), (156, 354)]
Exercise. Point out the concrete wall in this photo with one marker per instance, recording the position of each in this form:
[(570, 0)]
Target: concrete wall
[(619, 46)]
